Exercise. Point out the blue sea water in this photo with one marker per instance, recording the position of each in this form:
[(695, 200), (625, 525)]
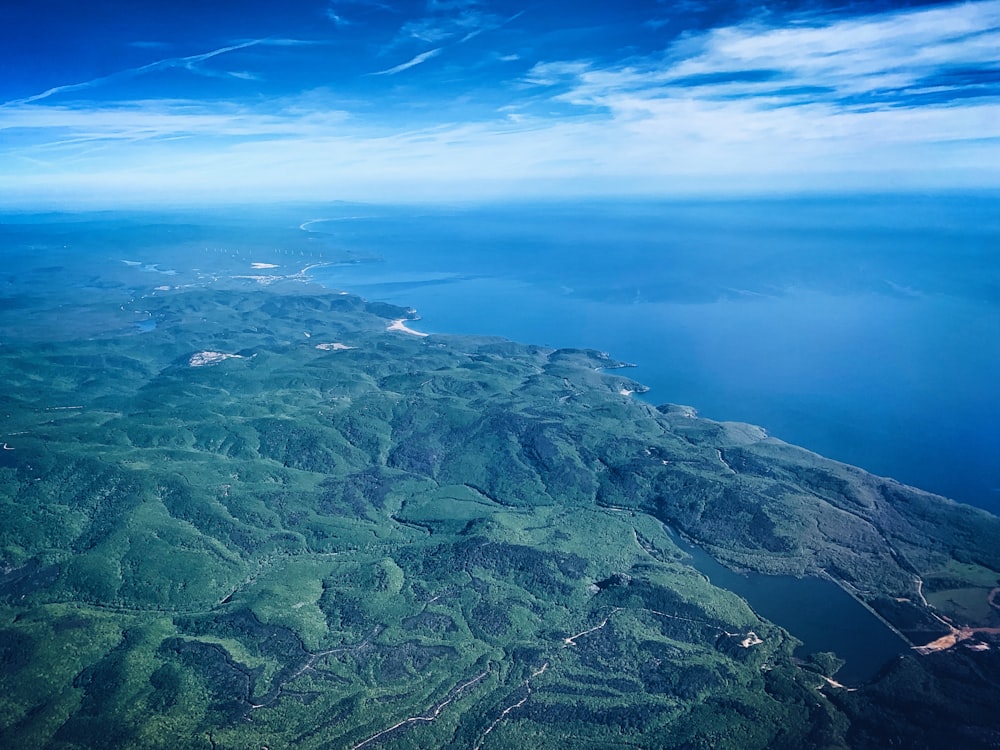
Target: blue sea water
[(866, 329)]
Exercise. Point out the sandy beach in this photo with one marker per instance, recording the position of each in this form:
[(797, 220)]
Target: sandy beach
[(400, 325)]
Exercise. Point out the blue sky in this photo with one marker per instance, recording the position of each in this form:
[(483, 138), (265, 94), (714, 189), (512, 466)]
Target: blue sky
[(113, 101)]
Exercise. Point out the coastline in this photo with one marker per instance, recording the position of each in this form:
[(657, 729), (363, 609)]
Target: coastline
[(823, 395)]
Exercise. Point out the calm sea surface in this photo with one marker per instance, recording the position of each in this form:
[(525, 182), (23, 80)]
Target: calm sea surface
[(866, 330)]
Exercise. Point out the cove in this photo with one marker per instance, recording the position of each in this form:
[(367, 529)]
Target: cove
[(815, 610)]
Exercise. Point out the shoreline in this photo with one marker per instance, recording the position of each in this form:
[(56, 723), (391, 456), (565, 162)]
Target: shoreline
[(844, 433)]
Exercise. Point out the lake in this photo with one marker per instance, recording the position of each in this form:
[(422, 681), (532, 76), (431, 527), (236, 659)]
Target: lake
[(815, 610)]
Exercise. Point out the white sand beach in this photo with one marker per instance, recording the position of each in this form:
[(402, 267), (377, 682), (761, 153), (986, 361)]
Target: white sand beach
[(400, 325)]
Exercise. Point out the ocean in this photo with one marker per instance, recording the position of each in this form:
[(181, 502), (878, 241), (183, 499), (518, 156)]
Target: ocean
[(864, 328)]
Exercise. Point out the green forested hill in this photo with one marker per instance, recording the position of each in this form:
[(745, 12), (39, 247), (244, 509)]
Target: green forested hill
[(405, 541)]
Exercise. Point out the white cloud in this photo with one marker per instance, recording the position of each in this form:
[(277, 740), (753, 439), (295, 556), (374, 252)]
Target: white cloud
[(427, 30), (674, 147), (856, 55), (457, 28), (412, 62), (699, 92), (163, 119), (337, 19), (860, 56), (648, 126)]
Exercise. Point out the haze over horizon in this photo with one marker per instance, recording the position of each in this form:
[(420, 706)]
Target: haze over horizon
[(115, 103)]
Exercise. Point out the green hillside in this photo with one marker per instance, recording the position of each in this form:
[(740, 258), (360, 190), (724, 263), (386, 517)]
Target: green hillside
[(417, 542)]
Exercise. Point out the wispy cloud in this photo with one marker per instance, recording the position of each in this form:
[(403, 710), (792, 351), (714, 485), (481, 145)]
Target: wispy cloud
[(426, 30), (438, 29), (192, 63), (338, 20), (168, 119), (337, 10), (413, 62)]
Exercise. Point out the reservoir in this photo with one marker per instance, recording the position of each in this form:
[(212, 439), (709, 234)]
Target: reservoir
[(815, 610)]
